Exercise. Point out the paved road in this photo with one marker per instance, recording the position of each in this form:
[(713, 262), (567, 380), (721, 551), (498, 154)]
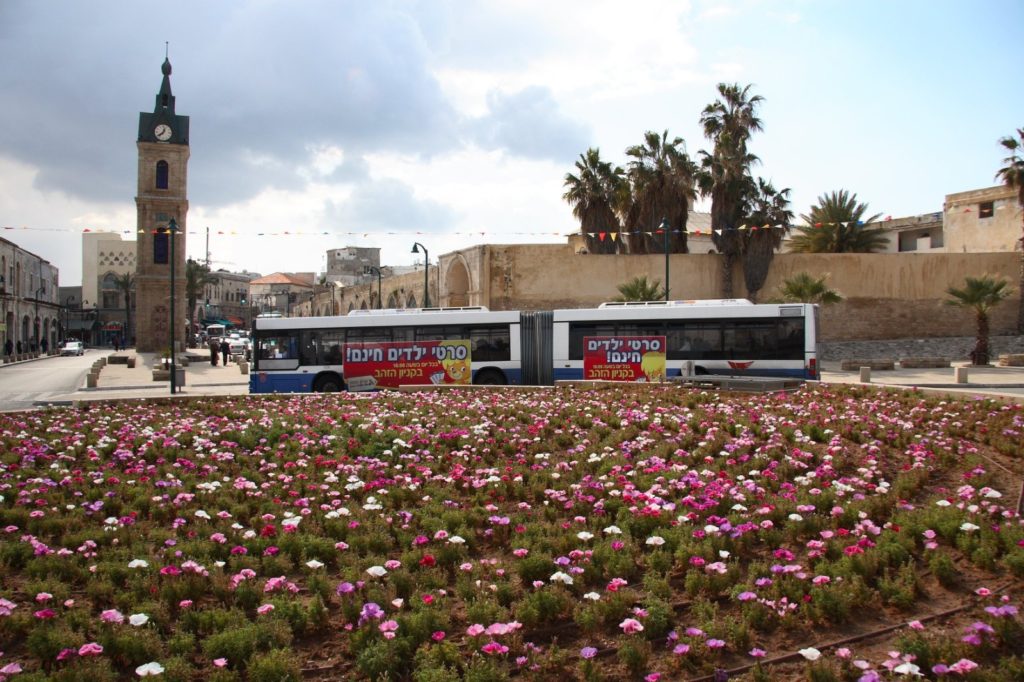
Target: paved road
[(24, 384)]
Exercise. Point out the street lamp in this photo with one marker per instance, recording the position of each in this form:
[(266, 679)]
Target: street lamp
[(374, 268), (664, 227), (172, 227), (416, 246), (41, 290)]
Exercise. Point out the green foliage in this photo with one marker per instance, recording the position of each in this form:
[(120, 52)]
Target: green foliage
[(639, 289), (836, 224), (805, 288), (277, 665)]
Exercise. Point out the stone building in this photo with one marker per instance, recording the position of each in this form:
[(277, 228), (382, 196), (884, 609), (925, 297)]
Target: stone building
[(280, 292), (98, 314), (162, 207), (29, 308), (227, 300), (977, 221)]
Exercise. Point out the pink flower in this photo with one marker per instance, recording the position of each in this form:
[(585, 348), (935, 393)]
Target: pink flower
[(90, 649), (757, 653), (265, 609), (112, 616), (631, 626), (44, 614), (438, 636), (494, 648), (475, 630), (963, 666), (915, 625), (220, 662)]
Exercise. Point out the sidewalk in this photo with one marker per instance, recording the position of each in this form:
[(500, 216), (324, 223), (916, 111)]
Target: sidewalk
[(118, 381), (1007, 382)]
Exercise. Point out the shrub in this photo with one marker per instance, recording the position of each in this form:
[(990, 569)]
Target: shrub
[(276, 665)]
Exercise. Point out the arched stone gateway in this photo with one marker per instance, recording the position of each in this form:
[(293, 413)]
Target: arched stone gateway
[(458, 283)]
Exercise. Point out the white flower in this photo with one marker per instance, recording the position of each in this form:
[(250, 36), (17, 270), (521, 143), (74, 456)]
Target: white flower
[(593, 596), (377, 571), (655, 541), (810, 653), (203, 515), (942, 503), (584, 535), (151, 668), (908, 669), (138, 619), (712, 529), (968, 527), (560, 577), (292, 522), (613, 530), (314, 564), (724, 553), (795, 517), (138, 563), (456, 540), (397, 603)]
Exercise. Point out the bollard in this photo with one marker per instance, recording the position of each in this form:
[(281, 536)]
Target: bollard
[(243, 367), (91, 379), (865, 375), (961, 375)]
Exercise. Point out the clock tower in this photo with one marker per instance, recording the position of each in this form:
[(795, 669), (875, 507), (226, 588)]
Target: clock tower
[(162, 205)]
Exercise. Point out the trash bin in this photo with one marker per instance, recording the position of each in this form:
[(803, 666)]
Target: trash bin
[(179, 376)]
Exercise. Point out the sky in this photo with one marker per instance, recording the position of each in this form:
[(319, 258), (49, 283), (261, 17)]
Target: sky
[(454, 122)]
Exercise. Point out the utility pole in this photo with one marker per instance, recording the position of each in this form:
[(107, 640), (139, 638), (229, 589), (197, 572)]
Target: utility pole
[(207, 248)]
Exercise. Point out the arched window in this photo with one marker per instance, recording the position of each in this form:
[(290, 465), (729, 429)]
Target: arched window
[(162, 174)]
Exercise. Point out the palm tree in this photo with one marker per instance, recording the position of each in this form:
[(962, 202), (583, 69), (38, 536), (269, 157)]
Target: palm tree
[(836, 225), (197, 277), (803, 288), (661, 177), (1012, 175), (729, 123), (639, 289), (594, 193), (980, 294), (126, 283), (766, 210)]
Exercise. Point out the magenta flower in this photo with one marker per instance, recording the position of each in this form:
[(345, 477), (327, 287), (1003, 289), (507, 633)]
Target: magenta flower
[(588, 652), (494, 648)]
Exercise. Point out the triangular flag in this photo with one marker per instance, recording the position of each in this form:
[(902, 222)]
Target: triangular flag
[(614, 235), (601, 235)]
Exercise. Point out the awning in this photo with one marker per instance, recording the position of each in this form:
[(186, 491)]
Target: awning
[(113, 326), (81, 325), (237, 321)]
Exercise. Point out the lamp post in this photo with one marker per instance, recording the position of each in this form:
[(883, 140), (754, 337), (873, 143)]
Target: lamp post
[(664, 228), (172, 227), (416, 246), (67, 315), (380, 303)]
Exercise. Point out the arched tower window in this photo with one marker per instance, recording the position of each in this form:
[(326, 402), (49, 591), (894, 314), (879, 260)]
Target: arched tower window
[(162, 174)]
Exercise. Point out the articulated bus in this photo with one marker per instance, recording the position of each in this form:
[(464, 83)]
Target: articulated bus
[(728, 337)]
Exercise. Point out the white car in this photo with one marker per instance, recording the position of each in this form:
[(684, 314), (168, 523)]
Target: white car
[(72, 348)]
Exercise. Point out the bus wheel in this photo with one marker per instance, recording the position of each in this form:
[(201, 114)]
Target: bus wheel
[(489, 377), (327, 384), (700, 371)]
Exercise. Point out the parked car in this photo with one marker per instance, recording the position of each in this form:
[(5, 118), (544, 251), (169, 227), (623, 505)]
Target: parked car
[(72, 348), (238, 345)]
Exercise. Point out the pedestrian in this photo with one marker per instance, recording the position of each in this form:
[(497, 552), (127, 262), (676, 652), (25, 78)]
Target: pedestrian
[(9, 348), (45, 345), (19, 347), (214, 352), (224, 349), (117, 344)]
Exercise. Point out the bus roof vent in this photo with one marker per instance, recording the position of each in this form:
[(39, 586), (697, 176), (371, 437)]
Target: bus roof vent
[(692, 302), (397, 311)]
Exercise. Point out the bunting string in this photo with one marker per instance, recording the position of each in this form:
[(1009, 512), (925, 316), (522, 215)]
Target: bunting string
[(602, 235)]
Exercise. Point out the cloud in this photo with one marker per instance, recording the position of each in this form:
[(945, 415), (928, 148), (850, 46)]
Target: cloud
[(385, 205), (260, 81), (529, 123)]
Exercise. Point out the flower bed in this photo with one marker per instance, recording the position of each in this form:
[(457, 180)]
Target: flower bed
[(626, 533)]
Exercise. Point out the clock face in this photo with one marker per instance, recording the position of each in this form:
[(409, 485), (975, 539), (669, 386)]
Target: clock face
[(163, 132)]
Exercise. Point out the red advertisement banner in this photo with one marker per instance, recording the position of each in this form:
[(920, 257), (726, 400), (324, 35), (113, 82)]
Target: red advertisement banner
[(624, 358), (368, 366)]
